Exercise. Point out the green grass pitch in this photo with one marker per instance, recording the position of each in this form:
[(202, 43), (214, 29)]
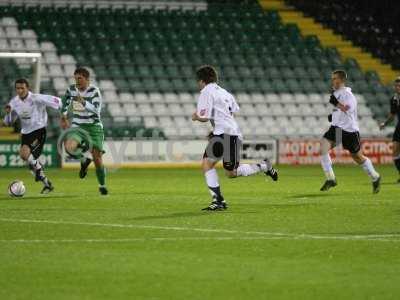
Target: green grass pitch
[(149, 240)]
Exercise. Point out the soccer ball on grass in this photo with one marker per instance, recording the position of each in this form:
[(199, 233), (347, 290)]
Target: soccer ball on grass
[(16, 188)]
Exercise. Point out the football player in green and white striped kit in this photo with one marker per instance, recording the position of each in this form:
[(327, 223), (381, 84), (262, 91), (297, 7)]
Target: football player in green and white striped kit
[(86, 136)]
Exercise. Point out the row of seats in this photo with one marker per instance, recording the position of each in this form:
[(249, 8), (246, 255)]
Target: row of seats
[(125, 131), (181, 72), (238, 85), (253, 126), (170, 81), (59, 5), (276, 109), (255, 98), (57, 12), (128, 71)]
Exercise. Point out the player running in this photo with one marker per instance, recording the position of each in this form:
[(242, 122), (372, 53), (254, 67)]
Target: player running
[(216, 105), (30, 109), (395, 110), (344, 129), (88, 135)]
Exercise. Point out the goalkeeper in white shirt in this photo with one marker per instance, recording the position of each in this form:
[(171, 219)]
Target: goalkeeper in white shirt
[(30, 109), (344, 130), (218, 106)]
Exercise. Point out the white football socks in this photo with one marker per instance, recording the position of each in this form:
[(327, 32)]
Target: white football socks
[(369, 169), (212, 178), (326, 164), (33, 162), (86, 155), (213, 184), (247, 170)]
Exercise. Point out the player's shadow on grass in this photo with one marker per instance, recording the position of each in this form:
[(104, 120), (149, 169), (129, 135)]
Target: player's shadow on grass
[(390, 183), (262, 207), (186, 215), (312, 196), (170, 216)]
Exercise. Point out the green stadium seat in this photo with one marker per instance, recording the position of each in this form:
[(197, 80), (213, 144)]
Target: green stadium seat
[(144, 71), (322, 86), (122, 85), (173, 71), (115, 72), (178, 85), (159, 71), (272, 73), (164, 85), (306, 85), (293, 86), (130, 71), (313, 73), (186, 71), (265, 86), (360, 86), (258, 72), (236, 85), (287, 73), (279, 86)]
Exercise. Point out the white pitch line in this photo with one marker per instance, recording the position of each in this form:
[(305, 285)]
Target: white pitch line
[(168, 239), (172, 228), (128, 240), (290, 236)]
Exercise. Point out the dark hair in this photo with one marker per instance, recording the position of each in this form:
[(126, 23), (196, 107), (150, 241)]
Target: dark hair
[(21, 81), (397, 80), (342, 74), (82, 71), (207, 74)]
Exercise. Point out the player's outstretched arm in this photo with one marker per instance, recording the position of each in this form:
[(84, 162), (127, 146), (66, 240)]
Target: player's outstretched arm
[(92, 107), (204, 108), (10, 117), (49, 101), (66, 101), (195, 117), (389, 119), (335, 102)]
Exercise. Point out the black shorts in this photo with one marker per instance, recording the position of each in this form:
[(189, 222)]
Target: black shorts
[(349, 140), (35, 141), (396, 134), (225, 147)]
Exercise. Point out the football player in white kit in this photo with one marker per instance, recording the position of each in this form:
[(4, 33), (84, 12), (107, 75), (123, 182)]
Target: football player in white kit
[(344, 129), (216, 105), (30, 109)]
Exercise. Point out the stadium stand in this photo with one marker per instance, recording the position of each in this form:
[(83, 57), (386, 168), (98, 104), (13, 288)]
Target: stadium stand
[(144, 55), (366, 23)]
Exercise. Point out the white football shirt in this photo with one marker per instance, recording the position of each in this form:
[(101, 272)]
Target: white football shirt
[(217, 105), (345, 120), (32, 110)]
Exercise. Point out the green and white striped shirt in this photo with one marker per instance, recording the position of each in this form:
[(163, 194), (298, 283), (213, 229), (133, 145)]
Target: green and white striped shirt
[(89, 111)]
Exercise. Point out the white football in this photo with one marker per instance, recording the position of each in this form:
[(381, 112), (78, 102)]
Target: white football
[(16, 188)]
